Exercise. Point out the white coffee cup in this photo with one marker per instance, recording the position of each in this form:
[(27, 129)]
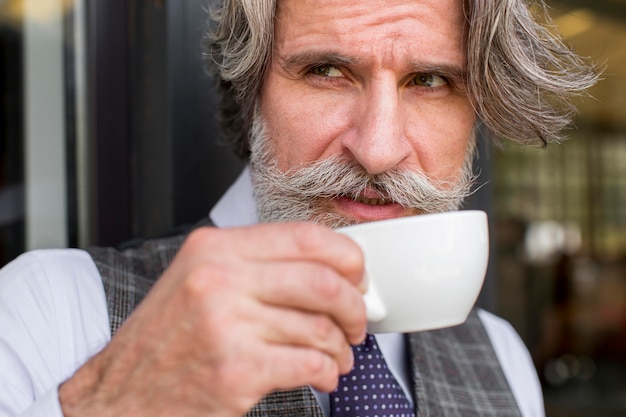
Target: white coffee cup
[(424, 272)]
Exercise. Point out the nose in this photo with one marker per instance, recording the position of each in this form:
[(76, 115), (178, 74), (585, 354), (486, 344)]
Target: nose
[(377, 140)]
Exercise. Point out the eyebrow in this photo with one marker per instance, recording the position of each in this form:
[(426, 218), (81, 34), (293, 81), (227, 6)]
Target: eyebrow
[(295, 62), (448, 70)]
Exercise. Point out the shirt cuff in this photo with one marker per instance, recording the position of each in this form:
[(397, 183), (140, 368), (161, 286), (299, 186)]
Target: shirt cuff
[(46, 406)]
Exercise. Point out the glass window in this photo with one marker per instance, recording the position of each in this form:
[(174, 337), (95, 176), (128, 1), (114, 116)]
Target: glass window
[(11, 131)]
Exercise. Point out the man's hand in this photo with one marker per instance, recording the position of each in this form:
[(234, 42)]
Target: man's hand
[(238, 314)]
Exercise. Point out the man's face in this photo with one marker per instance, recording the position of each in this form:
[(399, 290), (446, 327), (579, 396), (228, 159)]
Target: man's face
[(376, 84)]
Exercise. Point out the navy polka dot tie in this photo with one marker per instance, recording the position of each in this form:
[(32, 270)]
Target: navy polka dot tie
[(369, 390)]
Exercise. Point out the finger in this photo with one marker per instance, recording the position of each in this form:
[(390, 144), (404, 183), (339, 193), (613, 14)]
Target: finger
[(293, 367), (312, 288), (292, 327), (292, 241)]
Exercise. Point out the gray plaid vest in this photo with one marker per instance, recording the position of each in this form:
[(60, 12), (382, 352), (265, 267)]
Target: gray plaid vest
[(455, 370)]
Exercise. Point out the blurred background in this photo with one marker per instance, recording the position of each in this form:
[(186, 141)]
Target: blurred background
[(107, 134), (559, 223)]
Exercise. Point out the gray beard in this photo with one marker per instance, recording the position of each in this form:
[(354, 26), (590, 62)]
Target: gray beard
[(301, 194)]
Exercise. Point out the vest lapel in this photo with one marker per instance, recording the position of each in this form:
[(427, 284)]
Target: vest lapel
[(456, 373), (128, 275), (299, 402), (129, 272)]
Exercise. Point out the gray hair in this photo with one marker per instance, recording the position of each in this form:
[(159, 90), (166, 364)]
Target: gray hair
[(521, 76)]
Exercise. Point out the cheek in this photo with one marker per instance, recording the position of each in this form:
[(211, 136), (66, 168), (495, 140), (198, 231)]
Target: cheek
[(442, 143), (300, 128)]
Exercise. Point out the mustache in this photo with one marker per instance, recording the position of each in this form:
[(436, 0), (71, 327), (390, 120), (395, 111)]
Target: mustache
[(334, 177), (300, 193)]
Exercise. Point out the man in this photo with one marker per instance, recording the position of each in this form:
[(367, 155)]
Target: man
[(355, 111)]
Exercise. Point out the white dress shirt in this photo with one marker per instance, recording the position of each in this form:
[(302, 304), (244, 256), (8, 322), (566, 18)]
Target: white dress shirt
[(53, 318)]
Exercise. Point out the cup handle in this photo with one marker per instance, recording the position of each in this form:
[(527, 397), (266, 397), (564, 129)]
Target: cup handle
[(374, 306)]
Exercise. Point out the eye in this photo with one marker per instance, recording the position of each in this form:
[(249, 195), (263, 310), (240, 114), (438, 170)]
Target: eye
[(326, 70), (429, 80)]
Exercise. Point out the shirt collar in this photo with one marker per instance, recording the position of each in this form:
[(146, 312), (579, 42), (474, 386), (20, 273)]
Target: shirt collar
[(236, 207)]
